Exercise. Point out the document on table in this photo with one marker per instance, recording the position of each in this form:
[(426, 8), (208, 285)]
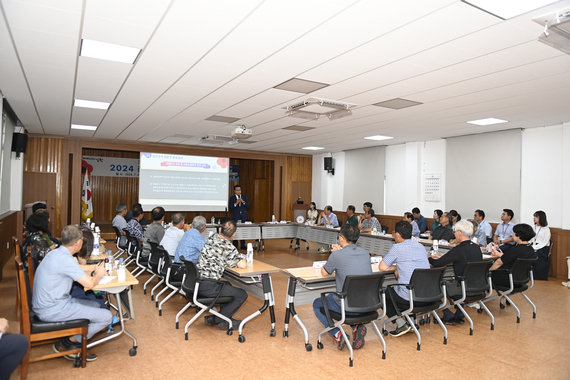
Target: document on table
[(106, 279)]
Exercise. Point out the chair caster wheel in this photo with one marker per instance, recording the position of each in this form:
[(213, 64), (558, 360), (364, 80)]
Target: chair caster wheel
[(133, 351), (501, 306), (428, 320), (444, 340), (534, 315), (77, 363), (176, 325), (285, 334), (479, 311), (160, 313), (308, 347), (185, 336), (419, 346), (145, 291), (385, 332), (518, 320), (319, 345), (351, 363), (422, 322), (156, 304), (470, 331), (492, 327), (384, 355), (230, 332), (241, 339), (272, 333)]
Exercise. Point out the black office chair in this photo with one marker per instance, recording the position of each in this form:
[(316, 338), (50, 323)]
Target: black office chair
[(136, 251), (385, 229), (172, 273), (476, 285), (130, 249), (519, 276), (190, 286), (360, 294), (426, 286), (153, 265), (120, 241)]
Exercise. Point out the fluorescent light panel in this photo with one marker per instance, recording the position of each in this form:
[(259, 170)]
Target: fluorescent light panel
[(84, 127), (312, 148), (91, 104), (109, 52), (488, 121), (507, 9), (378, 137)]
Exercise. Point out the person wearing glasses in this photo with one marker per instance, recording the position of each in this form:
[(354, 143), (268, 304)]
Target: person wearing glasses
[(504, 232), (444, 231), (465, 252)]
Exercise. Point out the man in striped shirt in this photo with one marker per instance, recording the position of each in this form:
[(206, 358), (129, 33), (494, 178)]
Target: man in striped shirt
[(404, 257)]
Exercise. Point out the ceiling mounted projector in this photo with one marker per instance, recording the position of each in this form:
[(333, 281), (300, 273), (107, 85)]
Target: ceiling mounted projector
[(241, 133), (313, 108)]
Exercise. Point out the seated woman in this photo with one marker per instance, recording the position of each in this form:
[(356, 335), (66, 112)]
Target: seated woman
[(522, 234), (35, 226), (541, 245), (312, 212), (455, 217), (436, 215), (77, 290)]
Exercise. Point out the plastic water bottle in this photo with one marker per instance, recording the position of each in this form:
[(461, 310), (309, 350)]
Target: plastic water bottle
[(249, 256), (96, 241), (375, 231), (273, 219), (213, 220), (432, 251), (435, 245), (121, 270)]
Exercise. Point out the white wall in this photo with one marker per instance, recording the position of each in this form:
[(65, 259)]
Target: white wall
[(395, 180), (433, 160), (565, 202), (328, 189), (541, 169), (365, 166), (5, 201)]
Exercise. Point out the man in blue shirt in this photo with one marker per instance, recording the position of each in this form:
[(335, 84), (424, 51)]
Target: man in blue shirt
[(420, 220), (479, 217), (192, 242), (404, 257), (327, 218), (119, 220), (409, 217), (346, 259), (51, 299), (504, 232)]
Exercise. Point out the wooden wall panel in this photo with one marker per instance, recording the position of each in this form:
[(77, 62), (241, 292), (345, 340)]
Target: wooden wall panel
[(10, 225), (297, 170), (46, 155)]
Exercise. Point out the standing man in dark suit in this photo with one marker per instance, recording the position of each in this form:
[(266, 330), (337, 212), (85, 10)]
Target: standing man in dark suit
[(238, 205)]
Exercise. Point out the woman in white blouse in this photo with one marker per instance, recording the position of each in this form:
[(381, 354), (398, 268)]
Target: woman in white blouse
[(541, 245), (312, 212)]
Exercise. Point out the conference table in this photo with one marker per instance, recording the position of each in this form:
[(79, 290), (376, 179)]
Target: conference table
[(116, 287)]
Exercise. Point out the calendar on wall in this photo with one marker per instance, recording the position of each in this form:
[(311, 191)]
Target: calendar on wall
[(432, 187)]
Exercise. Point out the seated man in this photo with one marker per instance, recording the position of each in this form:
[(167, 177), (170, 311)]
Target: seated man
[(459, 256), (368, 222), (119, 220), (217, 254), (129, 215), (174, 234), (479, 217), (504, 232), (154, 232), (352, 218), (346, 259), (478, 233), (51, 299), (134, 227), (420, 220), (327, 218), (409, 217), (13, 348), (444, 231), (192, 242), (404, 257)]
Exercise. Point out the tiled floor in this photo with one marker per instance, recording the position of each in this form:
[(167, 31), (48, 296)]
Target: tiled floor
[(534, 349)]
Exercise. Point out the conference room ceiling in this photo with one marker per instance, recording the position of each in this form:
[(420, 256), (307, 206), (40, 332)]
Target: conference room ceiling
[(224, 58)]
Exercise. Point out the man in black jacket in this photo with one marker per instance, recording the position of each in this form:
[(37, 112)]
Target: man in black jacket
[(444, 231)]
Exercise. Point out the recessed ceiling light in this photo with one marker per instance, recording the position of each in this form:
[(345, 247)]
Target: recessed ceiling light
[(507, 9), (378, 137), (300, 85), (488, 121), (110, 52), (397, 103), (84, 127), (313, 148), (91, 104)]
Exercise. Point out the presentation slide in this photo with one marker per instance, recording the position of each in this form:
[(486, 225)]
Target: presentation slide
[(183, 183)]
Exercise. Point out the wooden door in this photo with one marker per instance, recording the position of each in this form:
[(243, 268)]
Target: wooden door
[(261, 200), (40, 187)]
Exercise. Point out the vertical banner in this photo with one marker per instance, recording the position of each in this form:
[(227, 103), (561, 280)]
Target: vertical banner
[(234, 173), (86, 199)]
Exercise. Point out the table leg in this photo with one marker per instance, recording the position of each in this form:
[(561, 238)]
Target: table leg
[(290, 310), (268, 303)]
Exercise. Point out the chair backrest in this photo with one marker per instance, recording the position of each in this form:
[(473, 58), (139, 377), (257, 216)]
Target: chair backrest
[(154, 257), (166, 260), (363, 292), (25, 297), (134, 244), (117, 232), (477, 276), (192, 274), (385, 229), (427, 284), (521, 271)]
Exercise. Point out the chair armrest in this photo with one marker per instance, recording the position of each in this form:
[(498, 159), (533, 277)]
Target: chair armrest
[(326, 307)]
